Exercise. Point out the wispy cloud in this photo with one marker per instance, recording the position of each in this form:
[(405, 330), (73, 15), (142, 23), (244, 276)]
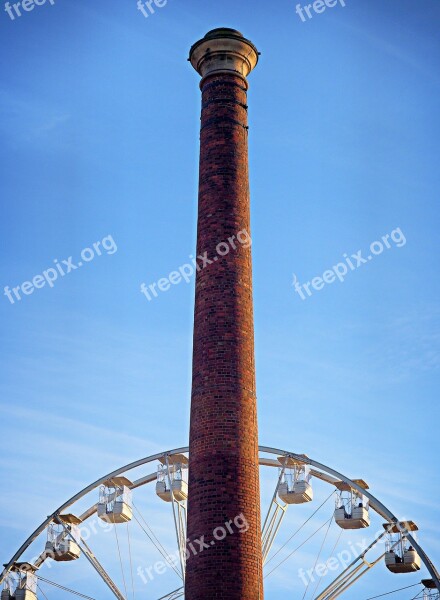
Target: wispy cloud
[(387, 48), (31, 119)]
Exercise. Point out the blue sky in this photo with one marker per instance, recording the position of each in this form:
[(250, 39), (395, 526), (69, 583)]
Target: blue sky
[(100, 138)]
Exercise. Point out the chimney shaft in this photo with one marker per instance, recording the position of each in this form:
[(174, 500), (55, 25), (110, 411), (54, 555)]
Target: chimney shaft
[(224, 495)]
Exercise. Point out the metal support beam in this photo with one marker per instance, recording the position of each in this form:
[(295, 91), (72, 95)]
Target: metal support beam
[(95, 563), (180, 529), (174, 595), (273, 520), (352, 573), (375, 504)]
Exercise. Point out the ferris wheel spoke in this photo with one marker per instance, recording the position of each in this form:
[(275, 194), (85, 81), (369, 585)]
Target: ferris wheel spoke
[(354, 571), (395, 592), (42, 593), (273, 520), (297, 548), (115, 529), (318, 556), (295, 533), (94, 562), (130, 560), (101, 571), (154, 540), (331, 554), (174, 595), (62, 587), (177, 516)]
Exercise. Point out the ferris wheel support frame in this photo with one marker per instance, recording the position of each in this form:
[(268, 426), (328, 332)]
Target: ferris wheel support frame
[(351, 573), (178, 521), (375, 504), (94, 562), (273, 520)]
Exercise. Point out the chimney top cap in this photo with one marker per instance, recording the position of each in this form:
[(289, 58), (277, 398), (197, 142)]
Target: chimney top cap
[(221, 32), (224, 50)]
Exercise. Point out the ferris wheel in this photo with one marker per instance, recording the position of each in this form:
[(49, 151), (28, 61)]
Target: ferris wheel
[(326, 508)]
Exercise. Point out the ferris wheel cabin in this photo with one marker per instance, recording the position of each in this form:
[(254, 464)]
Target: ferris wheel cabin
[(171, 483), (21, 584), (352, 509), (115, 500), (294, 486), (400, 556), (63, 539)]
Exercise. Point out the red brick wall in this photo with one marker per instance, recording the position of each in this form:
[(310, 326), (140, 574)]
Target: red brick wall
[(224, 475)]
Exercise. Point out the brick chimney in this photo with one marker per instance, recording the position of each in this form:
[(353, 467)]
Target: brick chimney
[(224, 494)]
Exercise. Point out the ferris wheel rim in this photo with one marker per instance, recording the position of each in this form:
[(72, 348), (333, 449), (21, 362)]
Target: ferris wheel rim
[(375, 504)]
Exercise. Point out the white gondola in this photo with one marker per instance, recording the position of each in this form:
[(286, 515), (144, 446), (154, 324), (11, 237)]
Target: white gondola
[(62, 545), (21, 583), (173, 473), (295, 486), (400, 556), (115, 500), (408, 564), (352, 509)]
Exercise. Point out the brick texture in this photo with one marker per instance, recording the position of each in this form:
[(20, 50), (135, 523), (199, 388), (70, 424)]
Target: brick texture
[(224, 473)]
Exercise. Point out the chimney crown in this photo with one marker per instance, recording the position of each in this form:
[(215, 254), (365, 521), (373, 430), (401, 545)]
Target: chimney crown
[(224, 50)]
